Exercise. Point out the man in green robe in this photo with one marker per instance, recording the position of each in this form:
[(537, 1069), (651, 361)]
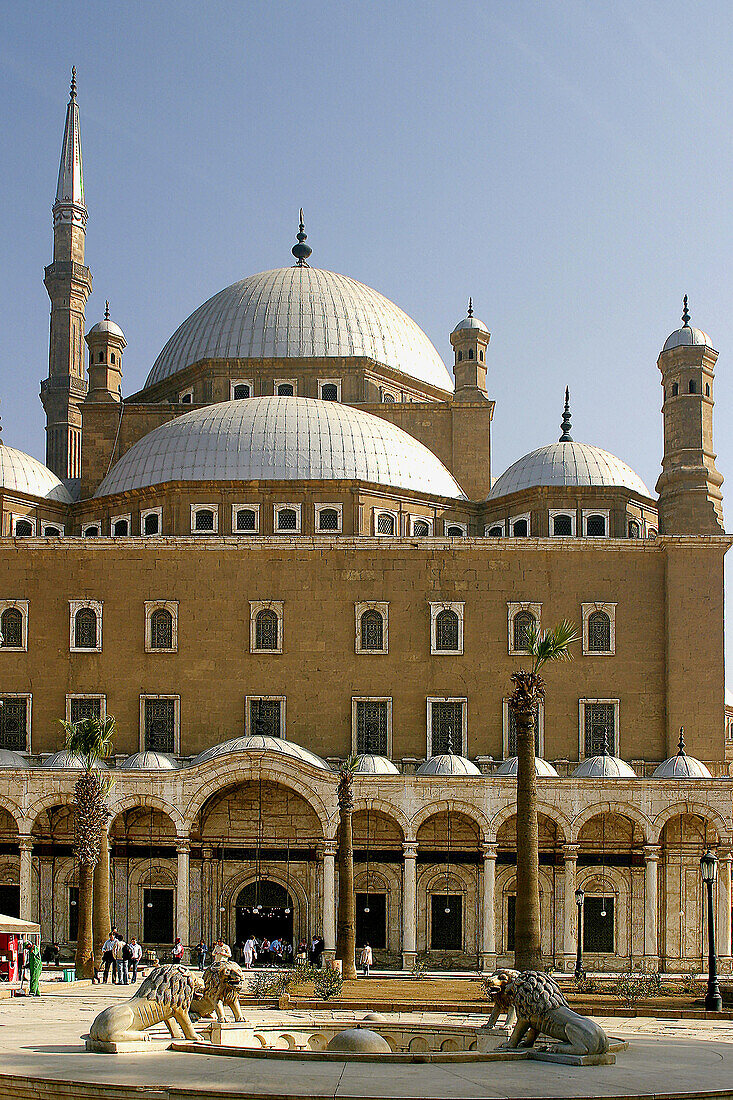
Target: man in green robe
[(35, 966)]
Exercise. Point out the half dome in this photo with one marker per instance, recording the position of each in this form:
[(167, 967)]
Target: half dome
[(447, 763), (371, 764), (604, 767), (542, 768), (299, 313), (281, 439), (149, 761), (260, 743), (26, 474), (567, 464)]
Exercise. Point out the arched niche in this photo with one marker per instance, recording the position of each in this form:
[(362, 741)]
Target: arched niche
[(683, 839)]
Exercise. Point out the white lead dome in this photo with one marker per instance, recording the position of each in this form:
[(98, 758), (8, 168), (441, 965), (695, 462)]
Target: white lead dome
[(280, 439), (297, 313), (567, 464), (26, 474)]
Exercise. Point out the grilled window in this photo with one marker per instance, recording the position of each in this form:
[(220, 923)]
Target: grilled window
[(496, 531), (151, 524), (51, 530), (512, 732), (446, 722), (90, 532), (204, 520), (328, 519), (329, 392), (23, 528), (454, 532), (287, 519), (264, 717), (85, 629), (562, 525), (266, 629), (599, 632), (160, 724), (11, 628), (634, 529), (595, 526), (519, 529), (385, 524), (599, 726), (285, 389), (446, 630), (246, 519), (13, 723), (371, 726), (421, 528), (372, 630), (81, 709), (121, 527), (161, 629), (240, 391), (524, 623)]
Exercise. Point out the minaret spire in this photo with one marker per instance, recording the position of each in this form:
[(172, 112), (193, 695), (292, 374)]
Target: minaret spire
[(69, 205), (301, 250), (685, 312), (565, 424)]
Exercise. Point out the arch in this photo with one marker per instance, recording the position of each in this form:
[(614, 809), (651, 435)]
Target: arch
[(552, 812), (46, 802), (13, 809), (697, 809), (622, 809), (161, 629), (386, 809), (158, 873), (456, 806), (447, 629), (148, 802)]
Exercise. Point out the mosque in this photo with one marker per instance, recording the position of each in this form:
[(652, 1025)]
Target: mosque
[(290, 547)]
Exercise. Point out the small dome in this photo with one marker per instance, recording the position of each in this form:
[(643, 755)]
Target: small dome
[(542, 767), (470, 322), (282, 439), (685, 337), (259, 743), (359, 1040), (604, 767), (567, 464), (682, 766), (370, 764), (149, 761), (10, 759), (26, 474), (106, 328), (448, 763), (68, 761)]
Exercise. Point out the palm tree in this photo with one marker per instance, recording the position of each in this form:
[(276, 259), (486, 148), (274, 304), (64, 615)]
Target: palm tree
[(529, 688), (346, 925), (90, 740)]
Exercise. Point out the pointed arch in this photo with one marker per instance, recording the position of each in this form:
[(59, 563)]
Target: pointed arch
[(552, 812), (455, 806), (696, 809), (621, 809)]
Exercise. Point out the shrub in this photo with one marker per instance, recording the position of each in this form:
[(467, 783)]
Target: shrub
[(327, 984), (419, 965), (583, 983), (692, 986), (633, 986), (269, 987)]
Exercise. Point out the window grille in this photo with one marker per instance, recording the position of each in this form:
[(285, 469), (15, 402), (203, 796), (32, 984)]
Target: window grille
[(152, 523), (446, 723), (90, 532), (595, 526), (562, 525), (23, 528), (204, 520), (597, 929), (329, 392), (161, 629), (385, 524), (496, 531), (512, 732), (287, 519), (266, 629), (388, 399), (240, 391), (160, 725), (52, 531), (524, 622), (328, 519), (446, 630), (13, 723), (11, 628), (85, 629), (264, 717), (371, 726), (634, 529), (285, 389), (455, 532), (599, 726), (599, 632), (246, 519), (187, 399), (519, 530), (420, 528), (80, 709), (120, 527), (372, 630)]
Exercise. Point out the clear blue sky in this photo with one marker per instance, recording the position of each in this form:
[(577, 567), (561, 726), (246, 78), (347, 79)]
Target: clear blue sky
[(568, 164)]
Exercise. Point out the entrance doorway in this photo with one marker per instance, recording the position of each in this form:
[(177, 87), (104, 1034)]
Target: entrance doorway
[(265, 911)]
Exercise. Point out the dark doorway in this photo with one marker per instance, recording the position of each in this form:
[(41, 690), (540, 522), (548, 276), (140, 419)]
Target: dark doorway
[(274, 917), (371, 927), (158, 918), (10, 901), (598, 924), (446, 927)]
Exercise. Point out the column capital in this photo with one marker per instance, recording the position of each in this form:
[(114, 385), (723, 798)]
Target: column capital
[(724, 855), (409, 849), (652, 852), (183, 844), (570, 852), (207, 852), (328, 848), (25, 842), (489, 851)]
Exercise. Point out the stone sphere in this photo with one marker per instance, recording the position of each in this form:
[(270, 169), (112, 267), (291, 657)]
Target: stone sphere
[(359, 1040)]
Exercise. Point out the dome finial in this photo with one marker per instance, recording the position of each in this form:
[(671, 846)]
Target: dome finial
[(565, 423), (73, 82), (470, 307), (681, 745), (106, 310), (685, 312), (301, 250), (449, 741)]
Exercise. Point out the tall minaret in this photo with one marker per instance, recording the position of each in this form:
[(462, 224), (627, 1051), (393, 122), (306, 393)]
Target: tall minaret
[(69, 284)]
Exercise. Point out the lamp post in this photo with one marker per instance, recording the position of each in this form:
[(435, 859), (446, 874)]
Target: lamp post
[(708, 869), (579, 897)]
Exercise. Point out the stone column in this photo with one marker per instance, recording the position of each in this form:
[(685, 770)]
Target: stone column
[(724, 904), (208, 926), (182, 891), (570, 920), (45, 916), (488, 929), (651, 942), (409, 905), (25, 846), (329, 899)]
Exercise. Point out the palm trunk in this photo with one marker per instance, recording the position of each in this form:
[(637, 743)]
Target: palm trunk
[(101, 915), (84, 935), (346, 925), (527, 942)]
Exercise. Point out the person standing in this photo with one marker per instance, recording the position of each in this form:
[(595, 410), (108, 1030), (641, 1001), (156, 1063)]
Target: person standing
[(126, 961), (247, 951), (365, 959), (35, 966), (178, 950), (108, 957), (136, 952), (221, 952), (201, 953), (117, 959)]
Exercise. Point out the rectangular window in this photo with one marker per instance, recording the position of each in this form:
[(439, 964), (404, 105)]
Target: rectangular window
[(371, 927), (158, 915), (265, 717), (598, 929), (446, 726), (372, 726), (84, 706), (14, 722), (446, 925), (245, 519), (600, 728), (160, 724)]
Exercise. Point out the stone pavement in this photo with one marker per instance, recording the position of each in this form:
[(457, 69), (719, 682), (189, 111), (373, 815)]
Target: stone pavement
[(40, 1040)]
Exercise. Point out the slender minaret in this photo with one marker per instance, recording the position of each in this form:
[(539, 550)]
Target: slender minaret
[(69, 284)]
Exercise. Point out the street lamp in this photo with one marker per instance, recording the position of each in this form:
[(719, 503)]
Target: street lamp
[(579, 898), (708, 869)]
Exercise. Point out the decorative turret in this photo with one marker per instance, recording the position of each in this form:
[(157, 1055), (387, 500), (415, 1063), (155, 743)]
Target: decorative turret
[(69, 284), (106, 342), (470, 339), (690, 500)]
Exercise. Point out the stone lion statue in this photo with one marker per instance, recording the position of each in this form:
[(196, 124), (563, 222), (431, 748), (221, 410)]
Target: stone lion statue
[(542, 1009), (165, 996), (222, 984), (495, 985)]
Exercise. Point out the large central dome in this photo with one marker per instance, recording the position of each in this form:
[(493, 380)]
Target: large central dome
[(298, 313)]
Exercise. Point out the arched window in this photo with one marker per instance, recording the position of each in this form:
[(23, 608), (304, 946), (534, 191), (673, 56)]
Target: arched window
[(454, 532), (595, 526), (460, 356), (372, 630), (562, 525), (421, 528), (328, 518), (112, 357), (204, 520), (151, 524), (11, 628), (246, 519), (599, 632), (90, 532), (101, 357), (23, 528), (481, 356), (524, 623), (285, 389), (634, 529), (85, 629), (496, 531), (385, 524), (266, 629), (121, 527), (470, 353), (675, 389), (187, 399), (692, 386), (519, 529), (52, 530), (241, 391), (329, 392), (446, 630), (287, 519), (707, 389), (161, 629), (389, 399)]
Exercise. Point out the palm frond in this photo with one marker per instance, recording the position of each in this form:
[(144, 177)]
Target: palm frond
[(545, 646), (90, 739)]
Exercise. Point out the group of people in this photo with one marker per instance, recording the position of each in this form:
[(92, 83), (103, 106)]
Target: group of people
[(120, 958), (261, 952)]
